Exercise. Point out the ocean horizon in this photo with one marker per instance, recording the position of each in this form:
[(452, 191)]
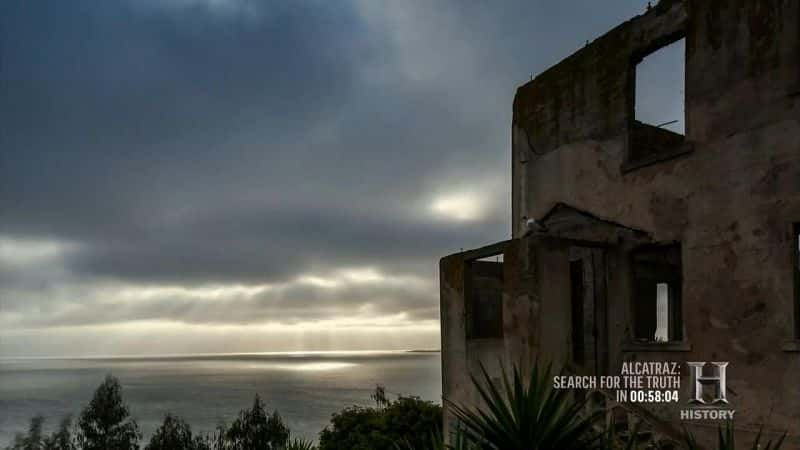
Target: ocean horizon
[(206, 389)]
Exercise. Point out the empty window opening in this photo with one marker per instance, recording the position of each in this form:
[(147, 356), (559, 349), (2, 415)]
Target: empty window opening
[(660, 95), (484, 297), (796, 263), (495, 258), (657, 131), (577, 295), (662, 312), (657, 291)]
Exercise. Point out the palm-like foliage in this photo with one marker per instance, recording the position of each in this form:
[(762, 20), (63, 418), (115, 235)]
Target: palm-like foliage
[(520, 415), (612, 441), (458, 441), (726, 440), (300, 444)]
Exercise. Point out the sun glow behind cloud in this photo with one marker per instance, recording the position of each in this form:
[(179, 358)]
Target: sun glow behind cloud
[(18, 252), (465, 202), (462, 207)]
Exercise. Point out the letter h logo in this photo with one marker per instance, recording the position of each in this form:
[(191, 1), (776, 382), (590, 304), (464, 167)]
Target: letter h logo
[(699, 381)]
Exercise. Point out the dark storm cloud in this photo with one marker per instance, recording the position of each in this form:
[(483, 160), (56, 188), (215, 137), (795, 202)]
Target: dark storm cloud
[(267, 245), (229, 141)]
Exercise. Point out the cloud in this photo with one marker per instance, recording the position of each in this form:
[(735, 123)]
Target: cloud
[(226, 7), (25, 253), (356, 296), (231, 163), (463, 206)]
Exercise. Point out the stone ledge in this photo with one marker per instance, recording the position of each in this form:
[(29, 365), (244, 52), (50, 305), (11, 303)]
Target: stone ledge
[(675, 346), (684, 149), (792, 346)]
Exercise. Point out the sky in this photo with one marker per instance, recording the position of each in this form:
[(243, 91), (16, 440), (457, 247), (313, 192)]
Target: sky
[(199, 176)]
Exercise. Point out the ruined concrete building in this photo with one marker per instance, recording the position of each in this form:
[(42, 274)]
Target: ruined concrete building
[(661, 245)]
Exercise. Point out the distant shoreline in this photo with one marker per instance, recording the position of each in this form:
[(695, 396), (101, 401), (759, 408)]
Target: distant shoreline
[(310, 353)]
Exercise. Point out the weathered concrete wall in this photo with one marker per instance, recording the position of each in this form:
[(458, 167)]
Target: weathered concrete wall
[(527, 262), (731, 201), (730, 197), (587, 95), (461, 356)]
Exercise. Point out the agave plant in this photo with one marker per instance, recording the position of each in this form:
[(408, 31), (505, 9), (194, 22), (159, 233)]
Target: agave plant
[(726, 440), (530, 415), (612, 441), (300, 444), (458, 441)]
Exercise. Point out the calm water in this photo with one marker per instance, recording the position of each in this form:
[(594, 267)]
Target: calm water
[(305, 388)]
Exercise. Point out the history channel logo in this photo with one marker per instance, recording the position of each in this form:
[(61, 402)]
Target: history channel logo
[(708, 395)]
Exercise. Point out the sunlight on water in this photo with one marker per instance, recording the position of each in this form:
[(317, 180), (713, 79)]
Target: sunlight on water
[(306, 388), (314, 366)]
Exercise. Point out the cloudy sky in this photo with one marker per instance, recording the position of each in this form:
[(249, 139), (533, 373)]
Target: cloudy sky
[(233, 175)]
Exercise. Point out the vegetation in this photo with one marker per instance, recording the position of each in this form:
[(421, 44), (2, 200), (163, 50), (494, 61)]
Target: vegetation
[(175, 433), (436, 442), (519, 413), (255, 429), (726, 440), (106, 423), (407, 420), (526, 416), (534, 416), (381, 401), (301, 444)]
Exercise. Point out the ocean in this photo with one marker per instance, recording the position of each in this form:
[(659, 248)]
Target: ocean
[(305, 388)]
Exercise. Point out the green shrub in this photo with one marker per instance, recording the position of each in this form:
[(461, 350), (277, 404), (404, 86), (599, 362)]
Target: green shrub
[(406, 420)]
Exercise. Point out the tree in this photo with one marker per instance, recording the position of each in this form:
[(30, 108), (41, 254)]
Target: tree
[(255, 429), (61, 439), (173, 434), (106, 423), (31, 441), (380, 396), (406, 421), (212, 441)]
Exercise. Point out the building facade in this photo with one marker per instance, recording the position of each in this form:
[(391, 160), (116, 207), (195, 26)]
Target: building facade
[(660, 245)]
